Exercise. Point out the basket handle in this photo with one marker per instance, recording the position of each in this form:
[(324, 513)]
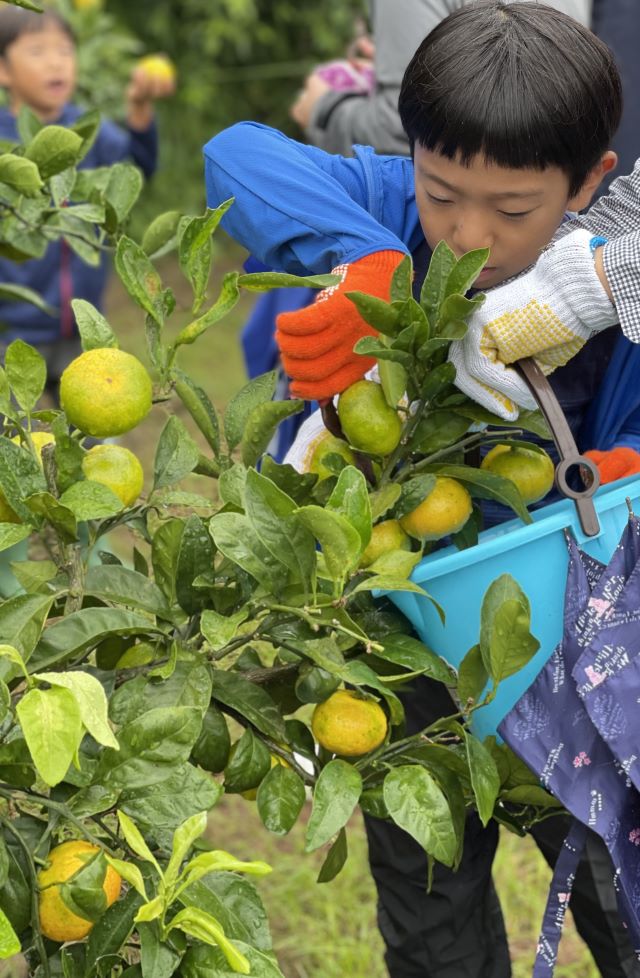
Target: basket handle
[(565, 444)]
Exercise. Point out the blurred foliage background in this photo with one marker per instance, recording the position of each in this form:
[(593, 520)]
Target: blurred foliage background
[(236, 59)]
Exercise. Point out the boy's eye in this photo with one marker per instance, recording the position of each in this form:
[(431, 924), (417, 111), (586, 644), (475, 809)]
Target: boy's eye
[(438, 200), (515, 214)]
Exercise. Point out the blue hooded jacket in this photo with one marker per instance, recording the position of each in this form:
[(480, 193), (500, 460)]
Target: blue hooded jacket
[(329, 210), (60, 274)]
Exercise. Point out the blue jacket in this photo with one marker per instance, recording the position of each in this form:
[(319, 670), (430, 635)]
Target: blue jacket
[(60, 274), (327, 210)]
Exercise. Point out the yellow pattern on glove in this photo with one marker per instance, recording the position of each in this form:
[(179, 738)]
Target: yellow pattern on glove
[(533, 330)]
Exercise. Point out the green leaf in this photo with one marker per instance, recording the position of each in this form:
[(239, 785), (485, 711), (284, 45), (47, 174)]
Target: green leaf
[(370, 346), (83, 892), (95, 331), (235, 537), (412, 493), (53, 149), (201, 925), (506, 642), (22, 619), (393, 378), (437, 430), (530, 794), (417, 805), (274, 518), (188, 685), (485, 779), (249, 762), (121, 192), (395, 563), (12, 533), (265, 281), (68, 637), (227, 299), (406, 651), (281, 796), (184, 838), (139, 278), (209, 962), (161, 236), (91, 699), (158, 959), (472, 676), (112, 929), (340, 541), (52, 727), (217, 860), (21, 293), (258, 391), (376, 312), (402, 280), (465, 271), (261, 426), (127, 587), (250, 701), (434, 286), (200, 408), (60, 516), (350, 498), (9, 943), (383, 499), (335, 796), (90, 500), (176, 454), (150, 747), (235, 903), (20, 476), (165, 548), (194, 557), (335, 859), (220, 629), (195, 250), (159, 808)]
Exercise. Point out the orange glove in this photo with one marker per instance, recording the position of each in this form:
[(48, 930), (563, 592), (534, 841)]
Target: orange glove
[(617, 463), (317, 343)]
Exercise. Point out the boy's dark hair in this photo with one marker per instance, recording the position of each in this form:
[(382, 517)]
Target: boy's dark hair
[(16, 21), (521, 84)]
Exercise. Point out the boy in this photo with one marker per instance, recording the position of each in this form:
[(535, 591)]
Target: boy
[(38, 69), (510, 110)]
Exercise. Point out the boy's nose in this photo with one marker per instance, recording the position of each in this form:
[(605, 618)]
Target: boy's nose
[(469, 235)]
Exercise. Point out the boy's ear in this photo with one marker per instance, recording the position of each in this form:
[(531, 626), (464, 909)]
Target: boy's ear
[(582, 199)]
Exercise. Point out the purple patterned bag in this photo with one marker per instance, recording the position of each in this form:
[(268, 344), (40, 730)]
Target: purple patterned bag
[(576, 728)]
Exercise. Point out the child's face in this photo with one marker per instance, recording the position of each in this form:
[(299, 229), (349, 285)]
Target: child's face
[(39, 70), (514, 213)]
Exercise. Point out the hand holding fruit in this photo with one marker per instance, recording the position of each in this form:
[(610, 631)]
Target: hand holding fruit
[(154, 77), (549, 314), (317, 343)]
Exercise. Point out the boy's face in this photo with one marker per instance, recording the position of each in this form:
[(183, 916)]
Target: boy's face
[(514, 213), (39, 70)]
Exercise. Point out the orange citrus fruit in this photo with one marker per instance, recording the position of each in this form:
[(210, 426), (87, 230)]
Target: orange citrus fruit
[(385, 536), (117, 468), (445, 510), (532, 472), (105, 392), (368, 422), (57, 921), (349, 725)]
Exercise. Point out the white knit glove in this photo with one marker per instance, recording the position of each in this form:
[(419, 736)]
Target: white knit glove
[(548, 314), (311, 432)]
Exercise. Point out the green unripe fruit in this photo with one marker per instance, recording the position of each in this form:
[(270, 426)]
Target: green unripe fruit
[(21, 174), (160, 232), (53, 149), (385, 537), (368, 422)]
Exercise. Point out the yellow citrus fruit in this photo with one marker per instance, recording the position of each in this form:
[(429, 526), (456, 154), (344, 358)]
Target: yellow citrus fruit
[(328, 444), (368, 422), (105, 392), (158, 66), (87, 4), (532, 472), (57, 921), (385, 536), (117, 468), (445, 510), (348, 725), (39, 439)]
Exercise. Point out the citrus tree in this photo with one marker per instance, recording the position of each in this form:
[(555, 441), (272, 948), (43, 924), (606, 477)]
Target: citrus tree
[(243, 612)]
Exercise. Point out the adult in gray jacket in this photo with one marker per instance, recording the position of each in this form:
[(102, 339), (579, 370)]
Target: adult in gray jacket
[(334, 121)]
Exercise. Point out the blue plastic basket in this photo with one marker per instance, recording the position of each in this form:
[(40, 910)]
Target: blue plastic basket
[(536, 556)]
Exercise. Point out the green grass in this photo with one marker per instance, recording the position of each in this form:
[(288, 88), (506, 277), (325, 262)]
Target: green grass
[(328, 930)]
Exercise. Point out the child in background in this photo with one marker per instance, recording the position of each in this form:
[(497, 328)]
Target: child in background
[(38, 69)]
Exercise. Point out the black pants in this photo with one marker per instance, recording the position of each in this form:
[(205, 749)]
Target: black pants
[(457, 930)]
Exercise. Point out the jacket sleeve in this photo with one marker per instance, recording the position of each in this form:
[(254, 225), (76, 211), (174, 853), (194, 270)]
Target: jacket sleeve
[(299, 209), (117, 143), (341, 119), (617, 218)]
